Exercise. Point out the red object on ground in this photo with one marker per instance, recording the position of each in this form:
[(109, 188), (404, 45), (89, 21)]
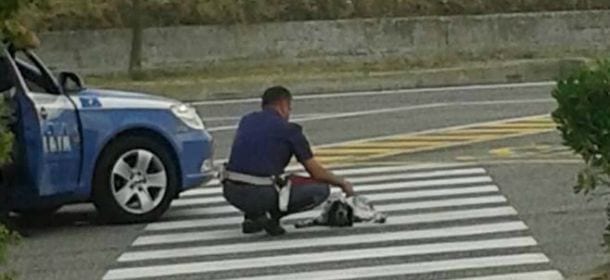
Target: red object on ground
[(300, 180)]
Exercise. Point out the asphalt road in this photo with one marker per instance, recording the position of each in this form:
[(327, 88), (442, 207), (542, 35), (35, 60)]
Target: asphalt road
[(327, 119), (567, 230)]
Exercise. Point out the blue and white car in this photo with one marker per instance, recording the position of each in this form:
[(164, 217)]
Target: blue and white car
[(130, 154)]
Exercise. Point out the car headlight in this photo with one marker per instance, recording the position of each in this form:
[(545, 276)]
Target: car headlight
[(188, 115)]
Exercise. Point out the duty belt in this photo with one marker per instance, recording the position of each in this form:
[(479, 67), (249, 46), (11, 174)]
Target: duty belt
[(281, 184)]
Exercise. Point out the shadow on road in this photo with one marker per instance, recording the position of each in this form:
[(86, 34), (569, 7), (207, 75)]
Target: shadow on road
[(68, 218)]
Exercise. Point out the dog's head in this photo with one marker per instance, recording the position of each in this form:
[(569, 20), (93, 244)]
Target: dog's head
[(340, 214)]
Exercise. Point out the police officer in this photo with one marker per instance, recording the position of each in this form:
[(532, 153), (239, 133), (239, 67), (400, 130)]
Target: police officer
[(263, 146)]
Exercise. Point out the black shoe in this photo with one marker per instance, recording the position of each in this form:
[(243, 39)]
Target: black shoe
[(272, 226), (249, 226)]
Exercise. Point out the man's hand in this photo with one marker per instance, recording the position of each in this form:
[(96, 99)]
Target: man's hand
[(348, 188), (318, 172)]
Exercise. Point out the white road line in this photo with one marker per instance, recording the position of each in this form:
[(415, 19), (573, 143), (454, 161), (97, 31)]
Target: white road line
[(399, 109), (406, 176), (304, 258), (537, 275), (415, 218), (348, 115), (296, 167), (213, 186), (424, 183), (202, 201), (148, 261), (401, 185), (426, 204), (234, 118), (170, 238), (259, 246), (379, 93), (387, 169), (386, 207), (411, 268), (208, 235)]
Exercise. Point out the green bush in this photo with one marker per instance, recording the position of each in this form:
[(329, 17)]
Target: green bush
[(11, 30), (6, 143), (6, 238), (583, 118)]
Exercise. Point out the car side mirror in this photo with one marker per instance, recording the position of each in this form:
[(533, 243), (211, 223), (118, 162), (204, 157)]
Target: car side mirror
[(70, 82)]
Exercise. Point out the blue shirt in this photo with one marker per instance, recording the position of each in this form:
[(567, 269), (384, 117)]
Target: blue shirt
[(264, 144)]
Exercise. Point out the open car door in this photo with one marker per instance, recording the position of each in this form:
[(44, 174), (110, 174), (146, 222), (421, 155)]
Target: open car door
[(47, 131)]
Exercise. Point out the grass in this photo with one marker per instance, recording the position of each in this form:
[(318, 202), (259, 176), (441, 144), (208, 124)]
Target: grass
[(237, 79), (95, 14), (223, 78)]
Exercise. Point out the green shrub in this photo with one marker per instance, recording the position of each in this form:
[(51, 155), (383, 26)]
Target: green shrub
[(6, 238), (583, 118), (11, 30)]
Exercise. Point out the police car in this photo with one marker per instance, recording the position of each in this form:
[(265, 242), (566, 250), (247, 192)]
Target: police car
[(130, 154)]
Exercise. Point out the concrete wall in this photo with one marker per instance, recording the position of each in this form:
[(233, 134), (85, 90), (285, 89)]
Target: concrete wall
[(296, 42)]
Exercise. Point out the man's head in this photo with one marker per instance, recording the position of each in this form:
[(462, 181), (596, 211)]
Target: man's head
[(279, 99)]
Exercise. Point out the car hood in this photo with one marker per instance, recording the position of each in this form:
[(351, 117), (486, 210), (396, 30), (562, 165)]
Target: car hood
[(121, 99)]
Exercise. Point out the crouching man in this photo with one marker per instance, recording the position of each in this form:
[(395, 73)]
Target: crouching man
[(254, 180)]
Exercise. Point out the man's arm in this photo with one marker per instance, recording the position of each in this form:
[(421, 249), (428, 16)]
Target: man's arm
[(320, 173)]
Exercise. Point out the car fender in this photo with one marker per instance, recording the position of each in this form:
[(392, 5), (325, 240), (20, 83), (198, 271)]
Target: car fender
[(111, 124)]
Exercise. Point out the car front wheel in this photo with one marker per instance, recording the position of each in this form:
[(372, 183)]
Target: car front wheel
[(135, 181)]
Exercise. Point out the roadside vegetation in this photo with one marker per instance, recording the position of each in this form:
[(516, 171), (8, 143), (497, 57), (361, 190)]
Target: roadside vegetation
[(96, 14), (583, 118), (59, 15), (11, 30)]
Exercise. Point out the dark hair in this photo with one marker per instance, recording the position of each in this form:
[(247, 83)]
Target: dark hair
[(274, 94)]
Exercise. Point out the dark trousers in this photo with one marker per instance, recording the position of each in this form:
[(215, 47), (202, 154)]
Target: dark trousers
[(256, 201)]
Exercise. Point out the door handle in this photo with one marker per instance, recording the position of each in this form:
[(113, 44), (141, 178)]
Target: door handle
[(43, 113)]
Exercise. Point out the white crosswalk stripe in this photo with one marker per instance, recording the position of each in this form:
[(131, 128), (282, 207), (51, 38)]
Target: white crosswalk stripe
[(429, 174), (363, 188), (388, 207), (445, 222), (405, 269)]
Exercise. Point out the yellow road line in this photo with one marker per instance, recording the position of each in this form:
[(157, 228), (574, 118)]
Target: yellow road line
[(564, 154), (348, 151), (540, 120), (494, 131), (522, 161), (431, 138), (333, 160), (394, 145), (527, 125)]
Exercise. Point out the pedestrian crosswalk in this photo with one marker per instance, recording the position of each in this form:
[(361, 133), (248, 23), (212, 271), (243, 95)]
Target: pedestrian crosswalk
[(445, 222)]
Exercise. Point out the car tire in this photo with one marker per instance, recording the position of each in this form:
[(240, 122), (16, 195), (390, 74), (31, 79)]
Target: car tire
[(135, 180)]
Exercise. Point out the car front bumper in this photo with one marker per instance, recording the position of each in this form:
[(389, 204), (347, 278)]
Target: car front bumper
[(196, 154)]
